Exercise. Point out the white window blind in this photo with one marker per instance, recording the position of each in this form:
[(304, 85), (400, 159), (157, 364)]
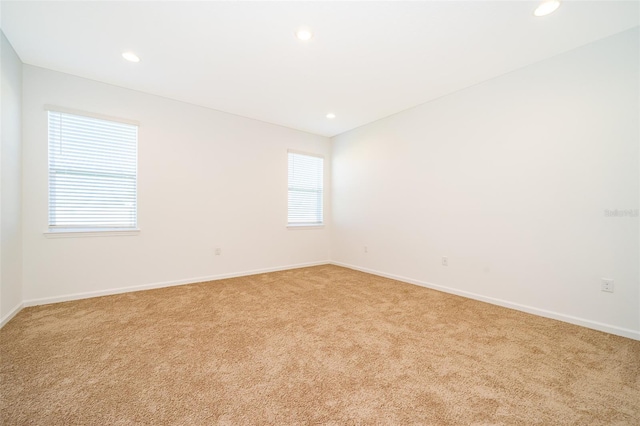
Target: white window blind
[(92, 173), (305, 189)]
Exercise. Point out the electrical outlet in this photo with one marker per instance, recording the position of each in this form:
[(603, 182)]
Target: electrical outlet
[(445, 261), (366, 249), (218, 251), (607, 285)]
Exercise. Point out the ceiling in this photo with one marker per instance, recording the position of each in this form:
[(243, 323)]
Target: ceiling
[(367, 60)]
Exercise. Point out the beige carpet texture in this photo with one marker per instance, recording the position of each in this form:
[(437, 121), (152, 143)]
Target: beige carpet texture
[(314, 346)]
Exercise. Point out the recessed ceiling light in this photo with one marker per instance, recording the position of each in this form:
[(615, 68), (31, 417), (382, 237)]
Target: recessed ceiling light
[(304, 34), (546, 7), (331, 116), (131, 57)]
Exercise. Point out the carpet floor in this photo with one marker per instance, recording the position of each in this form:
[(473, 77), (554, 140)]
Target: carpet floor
[(322, 345)]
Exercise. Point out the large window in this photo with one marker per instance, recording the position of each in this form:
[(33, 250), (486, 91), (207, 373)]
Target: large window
[(305, 189), (92, 173)]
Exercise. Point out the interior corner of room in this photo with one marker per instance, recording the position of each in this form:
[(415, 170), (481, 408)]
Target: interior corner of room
[(510, 176), (510, 179)]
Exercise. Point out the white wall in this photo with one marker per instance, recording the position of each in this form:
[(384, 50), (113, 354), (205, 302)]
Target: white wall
[(206, 179), (509, 179), (10, 182)]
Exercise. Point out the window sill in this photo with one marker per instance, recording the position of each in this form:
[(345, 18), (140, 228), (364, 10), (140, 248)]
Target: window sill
[(80, 233), (293, 226)]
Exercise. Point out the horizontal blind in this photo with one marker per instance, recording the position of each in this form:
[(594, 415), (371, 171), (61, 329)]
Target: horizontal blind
[(305, 189), (92, 172)]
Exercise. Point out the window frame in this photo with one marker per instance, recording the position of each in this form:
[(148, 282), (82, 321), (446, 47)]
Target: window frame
[(308, 225), (89, 231)]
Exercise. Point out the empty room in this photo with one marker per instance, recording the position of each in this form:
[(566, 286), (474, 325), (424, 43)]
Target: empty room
[(325, 212)]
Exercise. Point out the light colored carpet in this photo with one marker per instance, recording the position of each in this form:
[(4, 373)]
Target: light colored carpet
[(321, 345)]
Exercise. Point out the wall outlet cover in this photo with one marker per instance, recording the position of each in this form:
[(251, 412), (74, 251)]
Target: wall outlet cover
[(607, 285)]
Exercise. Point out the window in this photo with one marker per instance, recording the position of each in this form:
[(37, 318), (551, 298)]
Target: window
[(92, 173), (305, 189)]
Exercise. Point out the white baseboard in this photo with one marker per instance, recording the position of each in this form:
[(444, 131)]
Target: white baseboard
[(619, 331), (612, 329), (108, 292), (11, 314)]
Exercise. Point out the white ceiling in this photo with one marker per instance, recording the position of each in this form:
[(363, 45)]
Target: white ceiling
[(366, 61)]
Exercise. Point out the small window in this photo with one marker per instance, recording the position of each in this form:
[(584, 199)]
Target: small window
[(305, 189), (92, 173)]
